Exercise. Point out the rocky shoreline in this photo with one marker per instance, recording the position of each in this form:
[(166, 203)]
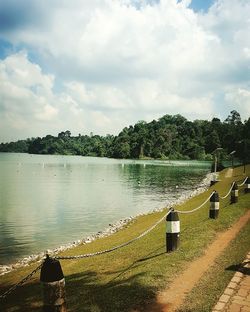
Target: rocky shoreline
[(111, 229)]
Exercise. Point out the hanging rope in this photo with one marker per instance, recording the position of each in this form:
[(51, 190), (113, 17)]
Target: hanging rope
[(25, 279), (243, 182), (116, 247), (195, 209), (223, 197)]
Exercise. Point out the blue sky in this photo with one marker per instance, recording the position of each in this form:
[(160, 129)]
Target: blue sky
[(100, 65), (201, 5)]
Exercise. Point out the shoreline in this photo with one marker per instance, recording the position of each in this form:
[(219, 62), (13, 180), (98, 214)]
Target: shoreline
[(111, 229)]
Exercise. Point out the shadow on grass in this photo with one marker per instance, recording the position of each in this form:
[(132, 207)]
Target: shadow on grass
[(137, 263), (85, 291), (241, 267), (23, 299)]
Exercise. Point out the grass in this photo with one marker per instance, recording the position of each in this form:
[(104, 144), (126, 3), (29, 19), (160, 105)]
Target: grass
[(130, 277), (206, 293)]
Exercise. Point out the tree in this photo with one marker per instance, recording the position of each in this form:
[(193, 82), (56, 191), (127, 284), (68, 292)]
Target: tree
[(172, 137), (212, 141), (234, 118), (232, 131)]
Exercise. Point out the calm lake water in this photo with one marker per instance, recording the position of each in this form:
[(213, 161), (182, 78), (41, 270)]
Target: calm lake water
[(48, 201)]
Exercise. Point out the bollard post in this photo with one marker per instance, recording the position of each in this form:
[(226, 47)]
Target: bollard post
[(214, 206), (234, 193), (247, 185), (53, 284), (173, 231), (214, 179)]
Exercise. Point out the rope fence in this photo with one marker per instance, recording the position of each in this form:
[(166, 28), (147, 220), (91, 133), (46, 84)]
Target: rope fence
[(25, 279), (116, 247), (243, 182), (172, 240), (195, 209), (229, 192)]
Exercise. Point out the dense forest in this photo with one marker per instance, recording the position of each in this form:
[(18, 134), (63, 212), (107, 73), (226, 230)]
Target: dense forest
[(169, 137)]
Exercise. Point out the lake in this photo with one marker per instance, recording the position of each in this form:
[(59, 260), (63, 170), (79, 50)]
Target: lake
[(47, 201)]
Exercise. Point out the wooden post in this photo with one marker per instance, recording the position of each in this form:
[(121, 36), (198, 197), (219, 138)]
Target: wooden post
[(53, 284)]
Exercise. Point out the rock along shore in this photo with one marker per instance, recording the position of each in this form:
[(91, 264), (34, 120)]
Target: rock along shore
[(112, 228)]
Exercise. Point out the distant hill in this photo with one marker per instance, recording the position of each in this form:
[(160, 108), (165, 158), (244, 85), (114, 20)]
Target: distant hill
[(169, 137)]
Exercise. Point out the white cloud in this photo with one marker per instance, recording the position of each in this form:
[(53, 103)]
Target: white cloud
[(122, 61), (26, 95), (239, 97)]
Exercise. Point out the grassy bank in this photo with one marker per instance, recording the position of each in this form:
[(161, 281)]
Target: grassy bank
[(131, 276)]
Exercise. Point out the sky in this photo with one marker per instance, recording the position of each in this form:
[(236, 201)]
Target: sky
[(101, 65)]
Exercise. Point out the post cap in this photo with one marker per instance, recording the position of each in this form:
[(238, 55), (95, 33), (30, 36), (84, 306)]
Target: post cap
[(172, 216), (51, 270), (214, 197)]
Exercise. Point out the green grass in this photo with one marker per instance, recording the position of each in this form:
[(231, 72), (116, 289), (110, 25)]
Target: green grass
[(131, 276)]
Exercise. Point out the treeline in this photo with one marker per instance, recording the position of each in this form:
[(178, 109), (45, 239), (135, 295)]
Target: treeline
[(169, 137)]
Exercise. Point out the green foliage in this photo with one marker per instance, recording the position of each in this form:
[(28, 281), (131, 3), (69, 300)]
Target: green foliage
[(20, 146), (169, 137)]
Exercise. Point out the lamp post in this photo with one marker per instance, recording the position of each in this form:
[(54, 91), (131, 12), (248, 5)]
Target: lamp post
[(232, 157), (215, 153), (244, 154)]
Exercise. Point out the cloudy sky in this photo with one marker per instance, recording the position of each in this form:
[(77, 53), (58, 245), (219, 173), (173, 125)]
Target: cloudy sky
[(100, 65)]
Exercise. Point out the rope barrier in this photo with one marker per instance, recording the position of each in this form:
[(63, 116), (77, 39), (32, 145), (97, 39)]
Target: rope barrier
[(195, 209), (223, 197), (25, 279), (116, 247), (243, 182), (138, 237)]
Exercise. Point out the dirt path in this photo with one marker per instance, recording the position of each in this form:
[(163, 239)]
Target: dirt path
[(171, 298), (229, 173)]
